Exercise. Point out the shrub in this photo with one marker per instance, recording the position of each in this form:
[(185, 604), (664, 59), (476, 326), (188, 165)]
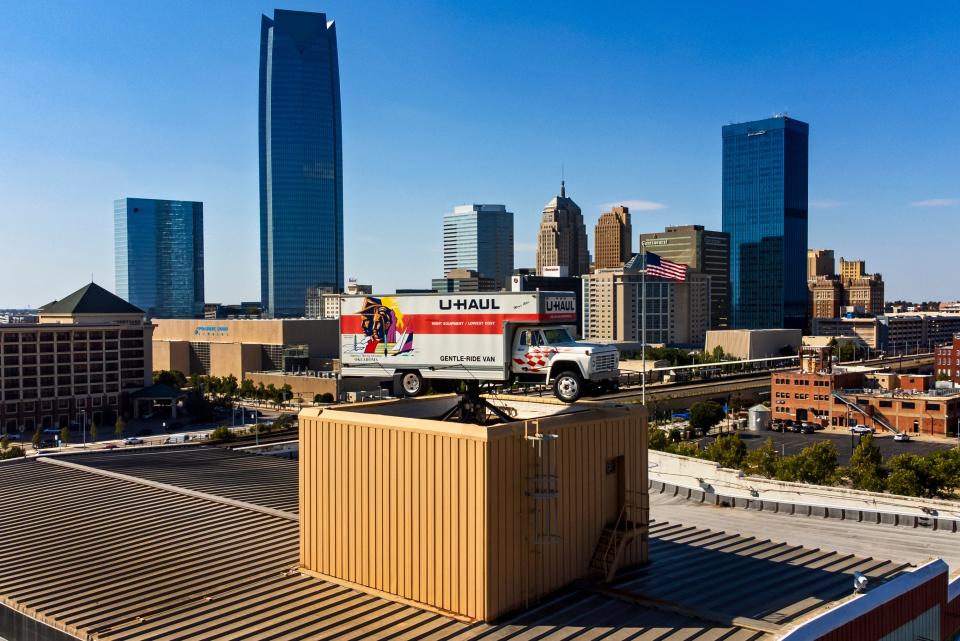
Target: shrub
[(12, 452), (221, 433), (865, 469), (657, 439), (326, 397)]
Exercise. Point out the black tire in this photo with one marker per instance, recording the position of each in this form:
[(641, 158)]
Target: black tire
[(568, 386), (411, 383)]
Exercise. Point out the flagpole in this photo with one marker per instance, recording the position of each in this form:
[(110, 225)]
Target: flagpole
[(643, 324)]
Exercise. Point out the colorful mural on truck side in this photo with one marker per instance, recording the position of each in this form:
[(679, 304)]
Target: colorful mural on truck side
[(384, 327)]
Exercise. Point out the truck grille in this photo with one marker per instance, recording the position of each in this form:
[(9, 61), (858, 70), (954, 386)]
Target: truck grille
[(605, 362)]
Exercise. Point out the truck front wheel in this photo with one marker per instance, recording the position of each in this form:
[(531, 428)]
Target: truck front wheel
[(411, 383), (568, 386)]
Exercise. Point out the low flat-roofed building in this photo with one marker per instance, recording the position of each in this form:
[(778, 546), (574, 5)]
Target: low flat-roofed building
[(209, 542), (88, 351), (237, 346), (754, 343), (868, 332)]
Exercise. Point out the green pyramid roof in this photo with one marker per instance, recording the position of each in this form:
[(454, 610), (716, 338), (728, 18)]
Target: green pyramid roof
[(91, 299)]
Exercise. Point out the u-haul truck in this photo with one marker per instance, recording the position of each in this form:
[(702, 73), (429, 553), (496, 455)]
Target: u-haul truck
[(494, 337)]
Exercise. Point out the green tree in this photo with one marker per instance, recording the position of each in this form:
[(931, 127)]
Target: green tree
[(286, 393), (230, 386), (943, 376), (657, 439), (118, 427), (913, 475), (684, 448), (35, 441), (816, 464), (64, 435), (762, 461), (717, 354), (727, 450), (327, 397), (4, 442), (318, 398), (247, 388), (704, 416), (93, 431), (866, 471), (261, 393), (173, 378)]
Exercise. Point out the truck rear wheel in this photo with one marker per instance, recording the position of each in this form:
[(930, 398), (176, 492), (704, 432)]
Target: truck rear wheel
[(411, 383), (568, 386)]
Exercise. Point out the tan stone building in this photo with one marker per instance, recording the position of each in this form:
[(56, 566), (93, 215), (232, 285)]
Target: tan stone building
[(703, 251), (78, 364), (613, 239), (865, 292), (562, 241), (225, 347), (678, 313), (820, 263), (826, 297), (852, 268)]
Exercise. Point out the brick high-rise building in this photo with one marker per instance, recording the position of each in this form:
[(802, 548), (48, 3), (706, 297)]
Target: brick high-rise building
[(820, 262), (562, 241), (703, 251), (613, 239)]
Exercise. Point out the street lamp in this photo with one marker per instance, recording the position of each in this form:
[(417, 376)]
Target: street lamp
[(83, 413)]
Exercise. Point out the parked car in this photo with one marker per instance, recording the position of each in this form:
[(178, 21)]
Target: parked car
[(796, 428), (807, 428), (133, 440), (861, 429), (110, 446), (902, 437)]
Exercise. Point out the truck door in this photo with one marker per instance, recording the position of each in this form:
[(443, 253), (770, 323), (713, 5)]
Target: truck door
[(530, 354)]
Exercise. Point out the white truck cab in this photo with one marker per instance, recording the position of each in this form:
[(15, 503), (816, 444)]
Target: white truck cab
[(550, 354)]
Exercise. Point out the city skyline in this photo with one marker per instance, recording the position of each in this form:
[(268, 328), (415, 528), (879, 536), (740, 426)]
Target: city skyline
[(880, 155)]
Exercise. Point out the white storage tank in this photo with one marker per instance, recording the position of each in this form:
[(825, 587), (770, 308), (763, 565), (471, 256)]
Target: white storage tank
[(759, 418)]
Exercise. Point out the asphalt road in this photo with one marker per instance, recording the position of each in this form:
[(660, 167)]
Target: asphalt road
[(791, 443)]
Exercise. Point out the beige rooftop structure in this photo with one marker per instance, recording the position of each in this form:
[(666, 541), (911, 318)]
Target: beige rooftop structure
[(754, 343), (471, 521)]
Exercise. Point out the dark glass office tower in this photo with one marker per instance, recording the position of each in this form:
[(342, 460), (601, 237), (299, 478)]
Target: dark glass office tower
[(765, 213), (158, 255), (301, 185)]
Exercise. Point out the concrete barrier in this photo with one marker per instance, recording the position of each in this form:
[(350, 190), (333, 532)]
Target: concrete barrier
[(707, 482)]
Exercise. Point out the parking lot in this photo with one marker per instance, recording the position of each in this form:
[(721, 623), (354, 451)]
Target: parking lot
[(791, 443)]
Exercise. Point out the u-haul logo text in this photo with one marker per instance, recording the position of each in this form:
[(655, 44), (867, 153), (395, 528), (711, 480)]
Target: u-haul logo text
[(553, 305)]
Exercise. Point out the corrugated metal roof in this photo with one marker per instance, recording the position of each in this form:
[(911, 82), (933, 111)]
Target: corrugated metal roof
[(105, 558), (263, 480)]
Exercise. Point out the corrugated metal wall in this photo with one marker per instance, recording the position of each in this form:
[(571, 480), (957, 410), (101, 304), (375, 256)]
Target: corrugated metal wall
[(438, 514), (521, 570)]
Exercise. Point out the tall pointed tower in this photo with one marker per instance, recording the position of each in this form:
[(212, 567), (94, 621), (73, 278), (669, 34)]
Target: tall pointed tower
[(562, 241)]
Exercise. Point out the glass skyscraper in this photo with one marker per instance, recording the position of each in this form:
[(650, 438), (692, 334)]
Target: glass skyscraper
[(765, 213), (158, 255), (301, 185), (479, 238)]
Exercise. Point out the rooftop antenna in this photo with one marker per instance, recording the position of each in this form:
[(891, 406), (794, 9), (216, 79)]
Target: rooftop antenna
[(563, 188)]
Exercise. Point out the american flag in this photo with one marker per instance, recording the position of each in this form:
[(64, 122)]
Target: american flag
[(663, 268)]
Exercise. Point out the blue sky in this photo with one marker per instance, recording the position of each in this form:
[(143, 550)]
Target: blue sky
[(453, 102)]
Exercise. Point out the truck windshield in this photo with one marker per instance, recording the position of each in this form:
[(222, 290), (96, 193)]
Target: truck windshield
[(557, 336)]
